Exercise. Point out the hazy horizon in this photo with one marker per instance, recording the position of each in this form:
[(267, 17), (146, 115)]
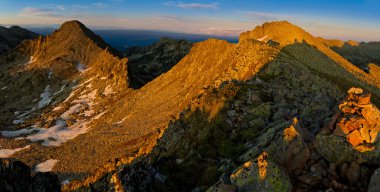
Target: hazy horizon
[(344, 20)]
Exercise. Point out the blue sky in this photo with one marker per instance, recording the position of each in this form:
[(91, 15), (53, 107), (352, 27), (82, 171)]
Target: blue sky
[(343, 19)]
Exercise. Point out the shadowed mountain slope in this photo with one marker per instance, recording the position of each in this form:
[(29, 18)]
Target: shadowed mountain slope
[(360, 54), (13, 36), (146, 63)]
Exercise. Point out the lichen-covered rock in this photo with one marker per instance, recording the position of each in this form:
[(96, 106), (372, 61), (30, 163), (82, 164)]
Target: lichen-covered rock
[(261, 175), (374, 184), (337, 150), (263, 140), (289, 149), (262, 111)]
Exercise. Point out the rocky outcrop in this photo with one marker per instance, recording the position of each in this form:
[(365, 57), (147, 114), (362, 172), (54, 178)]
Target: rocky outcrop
[(146, 63), (13, 36), (356, 133), (15, 176)]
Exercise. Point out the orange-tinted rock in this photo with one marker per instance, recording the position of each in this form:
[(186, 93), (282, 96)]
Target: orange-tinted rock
[(364, 132), (355, 90), (348, 110), (355, 138), (351, 125), (364, 99), (374, 133), (352, 97), (371, 114)]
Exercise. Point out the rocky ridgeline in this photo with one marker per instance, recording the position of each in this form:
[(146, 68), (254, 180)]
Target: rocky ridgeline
[(15, 176)]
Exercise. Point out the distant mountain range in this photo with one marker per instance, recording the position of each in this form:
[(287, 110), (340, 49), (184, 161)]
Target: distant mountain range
[(124, 38)]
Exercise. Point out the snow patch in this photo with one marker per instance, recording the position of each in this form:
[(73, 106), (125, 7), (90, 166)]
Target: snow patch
[(5, 87), (17, 121), (72, 109), (31, 60), (99, 115), (80, 85), (17, 133), (262, 38), (46, 166), (5, 153), (122, 120), (53, 136), (45, 97), (49, 74), (108, 90), (65, 182), (59, 133), (80, 67), (63, 87)]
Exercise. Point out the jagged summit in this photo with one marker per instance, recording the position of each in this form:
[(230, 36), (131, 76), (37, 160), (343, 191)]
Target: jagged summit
[(282, 32), (79, 30)]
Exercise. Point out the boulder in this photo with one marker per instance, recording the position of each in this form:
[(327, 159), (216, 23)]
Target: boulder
[(261, 174), (374, 184)]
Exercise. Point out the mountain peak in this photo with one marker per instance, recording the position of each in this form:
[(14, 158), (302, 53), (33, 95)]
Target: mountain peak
[(77, 30), (282, 32), (74, 24)]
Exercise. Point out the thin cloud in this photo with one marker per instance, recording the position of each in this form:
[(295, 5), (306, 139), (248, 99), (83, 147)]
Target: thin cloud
[(81, 6), (182, 5), (99, 5), (40, 12), (264, 16), (60, 7)]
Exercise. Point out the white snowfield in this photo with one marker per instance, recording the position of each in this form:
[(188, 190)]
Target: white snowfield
[(53, 136), (45, 100), (61, 132), (5, 153), (46, 166)]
